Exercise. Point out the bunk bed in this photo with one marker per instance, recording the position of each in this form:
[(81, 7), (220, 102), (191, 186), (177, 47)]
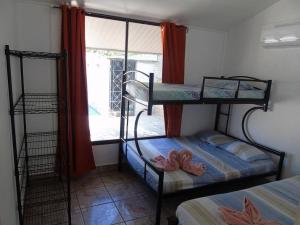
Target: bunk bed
[(222, 167)]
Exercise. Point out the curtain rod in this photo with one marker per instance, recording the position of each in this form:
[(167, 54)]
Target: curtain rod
[(119, 18)]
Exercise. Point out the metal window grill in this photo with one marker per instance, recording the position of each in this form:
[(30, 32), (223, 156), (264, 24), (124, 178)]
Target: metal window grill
[(117, 67)]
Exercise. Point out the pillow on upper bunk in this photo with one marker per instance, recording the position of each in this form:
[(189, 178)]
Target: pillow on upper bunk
[(232, 85), (245, 151), (223, 84), (214, 138), (244, 85)]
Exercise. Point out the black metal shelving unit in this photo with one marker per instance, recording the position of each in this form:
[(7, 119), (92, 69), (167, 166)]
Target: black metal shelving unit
[(42, 167)]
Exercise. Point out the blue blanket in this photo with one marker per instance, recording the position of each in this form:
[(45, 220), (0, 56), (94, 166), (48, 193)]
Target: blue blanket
[(221, 165)]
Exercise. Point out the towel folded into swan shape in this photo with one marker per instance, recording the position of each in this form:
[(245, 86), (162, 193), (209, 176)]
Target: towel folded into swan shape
[(169, 164), (249, 216), (182, 160)]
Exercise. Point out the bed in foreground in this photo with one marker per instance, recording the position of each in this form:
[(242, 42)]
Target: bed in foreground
[(277, 202)]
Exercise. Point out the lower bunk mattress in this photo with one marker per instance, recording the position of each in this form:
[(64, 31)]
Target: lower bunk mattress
[(221, 165), (276, 203)]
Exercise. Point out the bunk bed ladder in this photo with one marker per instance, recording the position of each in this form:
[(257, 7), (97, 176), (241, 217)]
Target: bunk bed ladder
[(219, 113)]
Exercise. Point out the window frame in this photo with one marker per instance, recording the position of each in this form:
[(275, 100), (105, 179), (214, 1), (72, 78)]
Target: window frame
[(127, 21)]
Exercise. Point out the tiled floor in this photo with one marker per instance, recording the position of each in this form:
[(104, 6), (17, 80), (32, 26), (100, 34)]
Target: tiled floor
[(102, 198)]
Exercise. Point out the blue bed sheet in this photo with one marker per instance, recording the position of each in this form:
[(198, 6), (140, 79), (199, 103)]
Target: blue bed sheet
[(221, 165)]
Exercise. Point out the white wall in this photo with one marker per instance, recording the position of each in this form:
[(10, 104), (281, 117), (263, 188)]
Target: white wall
[(204, 57), (279, 128), (38, 29), (8, 208)]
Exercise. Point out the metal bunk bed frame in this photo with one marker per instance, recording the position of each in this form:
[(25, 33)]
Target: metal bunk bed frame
[(262, 104)]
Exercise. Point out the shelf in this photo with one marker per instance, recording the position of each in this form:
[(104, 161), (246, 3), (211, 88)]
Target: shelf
[(45, 202), (37, 104), (41, 174), (45, 199), (42, 154), (44, 190), (29, 54)]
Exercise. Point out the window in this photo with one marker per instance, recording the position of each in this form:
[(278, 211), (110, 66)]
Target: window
[(105, 54)]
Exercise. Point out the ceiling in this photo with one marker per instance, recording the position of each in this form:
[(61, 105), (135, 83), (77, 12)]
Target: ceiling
[(216, 14)]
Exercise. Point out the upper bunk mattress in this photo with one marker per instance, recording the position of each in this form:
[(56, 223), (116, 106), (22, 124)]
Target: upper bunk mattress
[(221, 165), (276, 201), (181, 92)]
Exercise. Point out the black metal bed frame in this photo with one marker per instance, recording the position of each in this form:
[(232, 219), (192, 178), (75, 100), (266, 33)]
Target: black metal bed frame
[(42, 174), (262, 104)]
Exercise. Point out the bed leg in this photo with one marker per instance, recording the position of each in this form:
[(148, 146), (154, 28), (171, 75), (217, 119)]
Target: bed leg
[(280, 166), (120, 160), (159, 198), (173, 220)]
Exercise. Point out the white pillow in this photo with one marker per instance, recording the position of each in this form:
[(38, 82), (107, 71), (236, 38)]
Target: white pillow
[(219, 139), (245, 151)]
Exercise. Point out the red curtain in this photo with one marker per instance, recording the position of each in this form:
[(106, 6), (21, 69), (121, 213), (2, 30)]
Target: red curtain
[(173, 43), (73, 40)]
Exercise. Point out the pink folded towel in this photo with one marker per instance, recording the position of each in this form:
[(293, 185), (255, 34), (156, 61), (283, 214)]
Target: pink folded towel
[(185, 163), (176, 160), (249, 216), (169, 164)]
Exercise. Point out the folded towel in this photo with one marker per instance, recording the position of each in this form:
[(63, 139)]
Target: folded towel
[(249, 216), (185, 163), (169, 164), (176, 160)]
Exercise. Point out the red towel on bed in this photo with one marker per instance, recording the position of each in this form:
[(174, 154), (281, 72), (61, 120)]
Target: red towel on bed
[(185, 163), (249, 216), (169, 164), (182, 160)]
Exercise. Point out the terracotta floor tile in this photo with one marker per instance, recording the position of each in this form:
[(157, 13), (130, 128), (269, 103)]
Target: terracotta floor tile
[(114, 178), (77, 219), (89, 181), (141, 187), (142, 221), (74, 203), (95, 192), (133, 208), (92, 197), (123, 190), (108, 168), (104, 214)]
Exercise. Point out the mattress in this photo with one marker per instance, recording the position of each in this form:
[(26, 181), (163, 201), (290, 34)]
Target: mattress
[(277, 201), (180, 92), (221, 165)]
